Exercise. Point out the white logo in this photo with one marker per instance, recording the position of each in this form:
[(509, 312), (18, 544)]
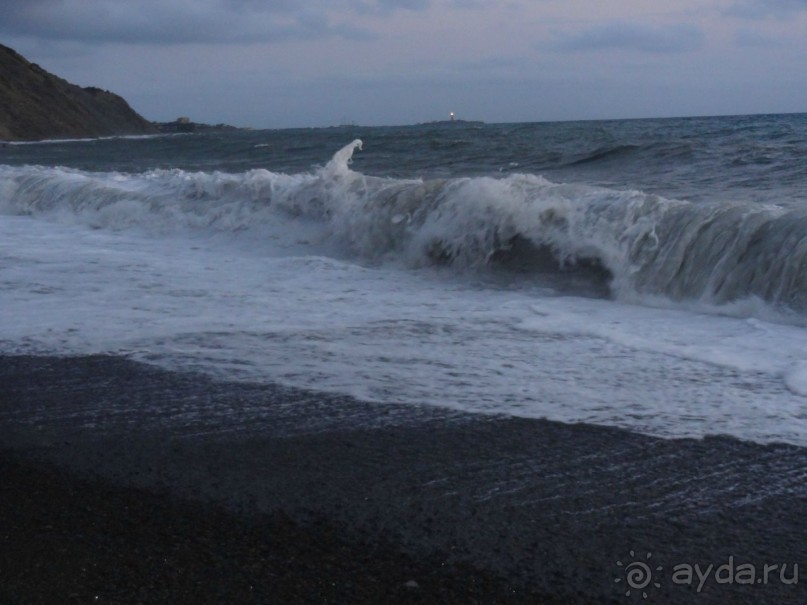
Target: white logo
[(638, 575)]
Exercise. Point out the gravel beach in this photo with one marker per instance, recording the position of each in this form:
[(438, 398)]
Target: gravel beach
[(123, 483)]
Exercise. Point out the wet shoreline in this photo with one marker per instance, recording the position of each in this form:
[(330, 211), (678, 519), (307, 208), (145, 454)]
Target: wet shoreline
[(539, 507)]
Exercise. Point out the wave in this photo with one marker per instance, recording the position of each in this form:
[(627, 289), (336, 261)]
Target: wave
[(606, 153), (635, 243), (132, 137), (659, 153)]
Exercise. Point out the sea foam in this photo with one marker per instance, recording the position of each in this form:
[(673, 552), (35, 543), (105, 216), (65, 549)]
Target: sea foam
[(638, 244)]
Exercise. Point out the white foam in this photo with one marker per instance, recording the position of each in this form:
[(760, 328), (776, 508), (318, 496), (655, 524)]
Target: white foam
[(251, 309), (89, 139), (264, 276), (719, 253), (796, 378)]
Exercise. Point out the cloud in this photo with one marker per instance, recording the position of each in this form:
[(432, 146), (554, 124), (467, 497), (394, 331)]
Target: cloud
[(393, 5), (749, 38), (193, 21), (760, 9), (632, 37)]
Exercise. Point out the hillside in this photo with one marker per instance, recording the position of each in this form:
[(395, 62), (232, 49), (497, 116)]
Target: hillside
[(35, 104)]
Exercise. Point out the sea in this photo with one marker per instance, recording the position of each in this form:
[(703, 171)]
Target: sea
[(644, 274)]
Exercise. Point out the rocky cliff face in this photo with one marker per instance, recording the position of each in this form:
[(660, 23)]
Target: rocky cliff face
[(35, 104)]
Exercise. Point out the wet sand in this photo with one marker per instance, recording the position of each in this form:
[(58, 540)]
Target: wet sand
[(468, 507)]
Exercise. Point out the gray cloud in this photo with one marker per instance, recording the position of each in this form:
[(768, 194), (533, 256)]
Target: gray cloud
[(386, 7), (758, 9), (749, 38), (632, 37), (192, 21), (415, 5)]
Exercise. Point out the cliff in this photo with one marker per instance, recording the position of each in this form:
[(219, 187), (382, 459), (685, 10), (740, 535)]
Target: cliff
[(35, 104)]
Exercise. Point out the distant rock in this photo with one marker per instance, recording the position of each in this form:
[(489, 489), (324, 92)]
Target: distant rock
[(35, 104), (184, 124), (452, 123)]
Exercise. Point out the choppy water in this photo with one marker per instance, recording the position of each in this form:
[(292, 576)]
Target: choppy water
[(650, 274)]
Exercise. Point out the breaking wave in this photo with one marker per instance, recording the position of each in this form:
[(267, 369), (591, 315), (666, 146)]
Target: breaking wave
[(636, 243)]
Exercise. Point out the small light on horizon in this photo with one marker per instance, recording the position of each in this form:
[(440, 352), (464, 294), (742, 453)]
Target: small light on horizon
[(451, 115)]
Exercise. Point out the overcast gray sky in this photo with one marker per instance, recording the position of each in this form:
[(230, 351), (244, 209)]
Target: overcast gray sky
[(280, 63)]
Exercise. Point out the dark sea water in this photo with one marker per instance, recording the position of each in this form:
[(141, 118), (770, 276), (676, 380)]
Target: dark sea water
[(757, 158), (650, 274)]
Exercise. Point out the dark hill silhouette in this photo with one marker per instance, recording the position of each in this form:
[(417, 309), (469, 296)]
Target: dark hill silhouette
[(35, 104)]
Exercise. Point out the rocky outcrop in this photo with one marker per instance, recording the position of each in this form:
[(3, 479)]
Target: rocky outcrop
[(185, 125), (35, 104)]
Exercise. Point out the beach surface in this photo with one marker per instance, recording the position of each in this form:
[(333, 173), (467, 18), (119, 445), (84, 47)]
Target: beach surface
[(124, 483)]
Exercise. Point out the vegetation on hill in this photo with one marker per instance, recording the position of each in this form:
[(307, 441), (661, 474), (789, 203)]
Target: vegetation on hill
[(35, 104)]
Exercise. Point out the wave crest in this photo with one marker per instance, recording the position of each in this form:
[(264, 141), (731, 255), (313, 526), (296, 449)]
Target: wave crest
[(635, 242)]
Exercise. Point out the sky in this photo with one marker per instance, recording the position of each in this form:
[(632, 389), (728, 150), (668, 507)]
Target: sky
[(286, 63)]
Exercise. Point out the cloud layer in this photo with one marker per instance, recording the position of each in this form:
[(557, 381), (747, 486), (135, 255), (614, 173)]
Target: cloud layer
[(192, 21), (632, 37), (756, 9), (291, 63)]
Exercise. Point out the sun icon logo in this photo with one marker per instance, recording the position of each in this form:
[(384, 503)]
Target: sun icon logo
[(638, 575)]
